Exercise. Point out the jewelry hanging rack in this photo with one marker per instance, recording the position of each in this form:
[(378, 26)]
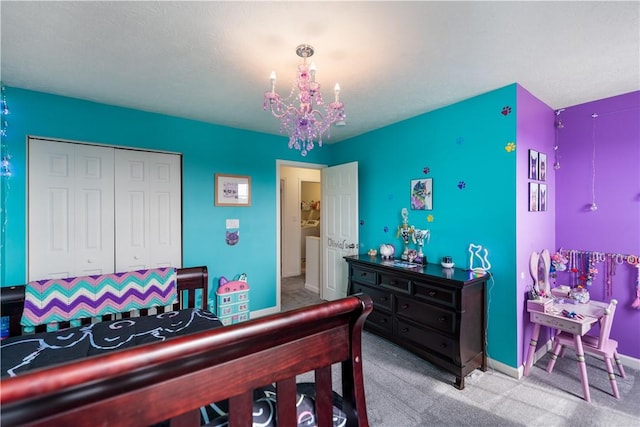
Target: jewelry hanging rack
[(599, 257), (581, 264)]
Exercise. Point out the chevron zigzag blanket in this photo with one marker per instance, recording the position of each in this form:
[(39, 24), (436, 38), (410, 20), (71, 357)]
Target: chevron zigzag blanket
[(56, 300)]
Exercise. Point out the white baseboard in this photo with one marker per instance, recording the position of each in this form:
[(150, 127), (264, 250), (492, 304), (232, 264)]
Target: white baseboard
[(518, 372), (264, 312), (313, 288)]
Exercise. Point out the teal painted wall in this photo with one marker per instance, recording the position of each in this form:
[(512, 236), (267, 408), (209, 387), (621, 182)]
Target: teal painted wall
[(206, 149), (462, 145), (465, 142)]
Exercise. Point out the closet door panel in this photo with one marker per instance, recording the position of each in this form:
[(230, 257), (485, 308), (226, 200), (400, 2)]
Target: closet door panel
[(94, 210), (131, 210), (70, 188), (148, 210), (165, 220)]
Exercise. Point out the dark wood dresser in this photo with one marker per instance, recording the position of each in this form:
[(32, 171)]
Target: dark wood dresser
[(437, 313)]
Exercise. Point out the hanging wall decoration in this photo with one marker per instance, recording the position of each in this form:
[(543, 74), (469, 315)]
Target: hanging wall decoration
[(542, 166), (533, 164), (232, 190), (533, 197), (542, 197), (422, 194)]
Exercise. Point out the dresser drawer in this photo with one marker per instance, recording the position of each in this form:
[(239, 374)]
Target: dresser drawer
[(380, 321), (443, 320), (426, 339), (429, 292), (364, 275), (380, 297), (395, 283)]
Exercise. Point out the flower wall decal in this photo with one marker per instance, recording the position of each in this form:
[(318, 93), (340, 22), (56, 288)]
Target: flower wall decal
[(430, 218), (510, 147), (425, 170)]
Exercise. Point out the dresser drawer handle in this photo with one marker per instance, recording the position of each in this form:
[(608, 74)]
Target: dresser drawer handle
[(393, 282), (405, 306), (442, 319), (383, 321), (359, 291), (405, 330), (384, 298), (432, 293), (443, 345), (362, 274)]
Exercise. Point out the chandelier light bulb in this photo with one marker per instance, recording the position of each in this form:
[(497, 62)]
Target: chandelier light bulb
[(593, 207)]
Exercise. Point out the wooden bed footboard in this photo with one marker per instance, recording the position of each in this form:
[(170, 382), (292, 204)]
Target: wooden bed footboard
[(191, 283), (173, 379)]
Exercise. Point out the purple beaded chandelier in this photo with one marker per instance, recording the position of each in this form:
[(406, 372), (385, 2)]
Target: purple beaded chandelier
[(296, 112)]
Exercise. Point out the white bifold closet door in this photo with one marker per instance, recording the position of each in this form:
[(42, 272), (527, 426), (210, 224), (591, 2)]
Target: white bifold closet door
[(96, 209), (148, 210)]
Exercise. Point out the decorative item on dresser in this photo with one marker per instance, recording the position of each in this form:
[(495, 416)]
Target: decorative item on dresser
[(437, 313)]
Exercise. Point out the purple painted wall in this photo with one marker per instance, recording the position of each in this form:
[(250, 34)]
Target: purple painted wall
[(615, 226), (535, 230)]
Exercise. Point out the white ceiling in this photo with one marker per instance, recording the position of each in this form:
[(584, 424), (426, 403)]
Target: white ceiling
[(211, 61)]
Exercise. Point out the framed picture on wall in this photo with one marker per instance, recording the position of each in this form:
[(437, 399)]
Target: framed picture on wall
[(533, 164), (232, 190), (542, 166), (422, 194), (542, 197), (533, 197)]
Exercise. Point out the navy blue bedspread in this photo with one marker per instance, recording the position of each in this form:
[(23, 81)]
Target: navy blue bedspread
[(27, 352)]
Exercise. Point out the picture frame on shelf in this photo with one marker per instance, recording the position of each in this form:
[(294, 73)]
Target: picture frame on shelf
[(232, 190), (533, 197), (533, 164), (421, 194)]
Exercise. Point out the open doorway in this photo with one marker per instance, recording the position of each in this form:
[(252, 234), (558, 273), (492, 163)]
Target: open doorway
[(300, 221)]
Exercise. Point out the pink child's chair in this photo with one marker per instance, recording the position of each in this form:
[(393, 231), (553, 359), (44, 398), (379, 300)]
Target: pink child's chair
[(601, 346)]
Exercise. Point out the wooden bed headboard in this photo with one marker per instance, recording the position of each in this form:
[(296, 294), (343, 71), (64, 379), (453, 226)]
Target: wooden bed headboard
[(192, 283), (173, 379)]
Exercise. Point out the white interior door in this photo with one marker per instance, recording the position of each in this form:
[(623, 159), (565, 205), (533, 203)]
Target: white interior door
[(70, 213), (339, 231), (148, 215)]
